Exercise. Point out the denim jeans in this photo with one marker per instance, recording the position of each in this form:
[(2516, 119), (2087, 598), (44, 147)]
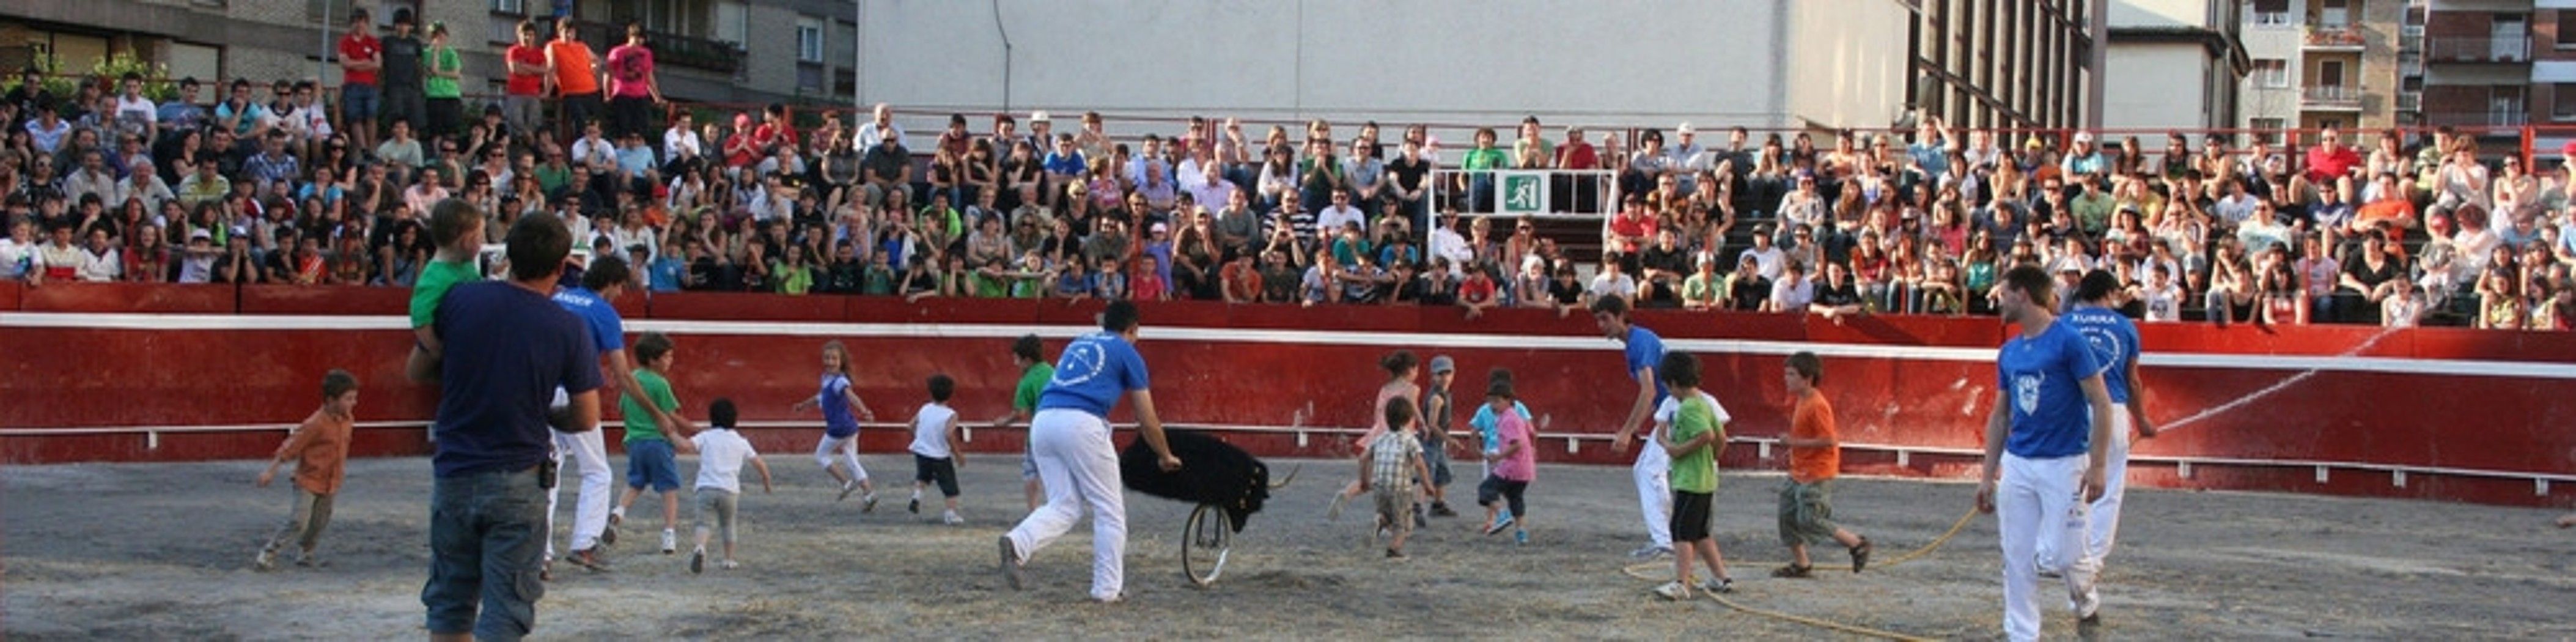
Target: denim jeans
[(486, 534)]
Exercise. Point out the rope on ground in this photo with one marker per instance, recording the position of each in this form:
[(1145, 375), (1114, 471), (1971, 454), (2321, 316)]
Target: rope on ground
[(1641, 570)]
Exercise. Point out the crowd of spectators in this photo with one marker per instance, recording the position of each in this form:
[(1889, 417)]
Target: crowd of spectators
[(277, 183)]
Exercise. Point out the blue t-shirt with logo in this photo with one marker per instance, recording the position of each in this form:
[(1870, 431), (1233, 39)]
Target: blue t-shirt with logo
[(508, 350), (2042, 378), (2114, 340), (835, 401), (1095, 369), (607, 331), (1645, 350)]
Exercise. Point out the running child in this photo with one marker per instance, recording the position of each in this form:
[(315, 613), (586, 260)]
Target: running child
[(1815, 458), (935, 454), (320, 448), (1400, 369), (841, 426), (1392, 463), (1515, 462), (1692, 439), (1030, 354), (1487, 425), (649, 458), (721, 454)]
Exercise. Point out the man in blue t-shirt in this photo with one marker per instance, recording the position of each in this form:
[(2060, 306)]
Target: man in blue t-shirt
[(593, 524), (506, 349), (2114, 341), (1069, 438), (1653, 468), (2045, 443)]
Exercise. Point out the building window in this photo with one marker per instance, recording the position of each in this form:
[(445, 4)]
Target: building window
[(2335, 14), (511, 7), (809, 41), (809, 78), (2330, 73), (2563, 105), (2267, 129), (2272, 73), (2566, 28)]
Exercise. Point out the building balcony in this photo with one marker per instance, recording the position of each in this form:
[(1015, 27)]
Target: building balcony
[(2410, 38), (2515, 49), (2270, 19), (2493, 122), (2333, 38), (2330, 97), (671, 49)]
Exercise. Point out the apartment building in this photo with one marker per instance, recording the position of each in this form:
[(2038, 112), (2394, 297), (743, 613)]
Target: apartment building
[(2328, 63), (747, 51), (2174, 65), (2494, 68)]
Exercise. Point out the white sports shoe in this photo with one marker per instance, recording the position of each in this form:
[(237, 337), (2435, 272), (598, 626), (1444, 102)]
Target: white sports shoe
[(951, 518), (670, 542)]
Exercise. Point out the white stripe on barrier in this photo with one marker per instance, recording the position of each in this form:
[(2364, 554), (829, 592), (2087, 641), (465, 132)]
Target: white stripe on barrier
[(1418, 340)]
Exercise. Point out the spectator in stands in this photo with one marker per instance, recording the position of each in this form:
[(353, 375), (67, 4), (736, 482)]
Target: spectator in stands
[(2330, 159), (572, 75), (401, 76), (887, 169), (2370, 278), (633, 87)]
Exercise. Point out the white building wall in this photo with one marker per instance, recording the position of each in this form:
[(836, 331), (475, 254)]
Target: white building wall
[(2158, 85), (1608, 62), (1848, 66), (2258, 99), (2158, 13)]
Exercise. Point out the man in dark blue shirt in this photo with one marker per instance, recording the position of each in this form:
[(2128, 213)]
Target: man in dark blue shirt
[(506, 347)]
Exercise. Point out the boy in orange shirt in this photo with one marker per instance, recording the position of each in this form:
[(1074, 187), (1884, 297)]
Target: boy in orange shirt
[(320, 449), (1815, 456)]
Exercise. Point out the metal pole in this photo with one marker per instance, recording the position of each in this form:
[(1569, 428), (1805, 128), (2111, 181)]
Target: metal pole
[(322, 65)]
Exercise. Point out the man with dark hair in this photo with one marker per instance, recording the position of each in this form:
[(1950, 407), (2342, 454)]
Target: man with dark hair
[(507, 349), (593, 524), (2046, 445), (2115, 343), (1069, 437), (1030, 355), (1653, 467), (403, 84)]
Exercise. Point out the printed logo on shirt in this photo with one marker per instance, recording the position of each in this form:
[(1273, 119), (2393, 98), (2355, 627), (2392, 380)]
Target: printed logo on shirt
[(1082, 361), (2105, 344), (2026, 392)]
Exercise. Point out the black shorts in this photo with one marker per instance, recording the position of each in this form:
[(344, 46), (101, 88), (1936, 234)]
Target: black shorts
[(1503, 490), (936, 469), (1690, 516)]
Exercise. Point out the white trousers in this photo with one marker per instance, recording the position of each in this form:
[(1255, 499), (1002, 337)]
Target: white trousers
[(2102, 526), (848, 450), (1653, 471), (2040, 514), (587, 453), (1079, 468)]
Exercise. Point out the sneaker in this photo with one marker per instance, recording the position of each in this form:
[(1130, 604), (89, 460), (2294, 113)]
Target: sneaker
[(1421, 519), (951, 518), (1111, 600), (309, 560), (1394, 554), (868, 504), (1674, 590), (1011, 565), (670, 542), (546, 571), (1441, 509), (2089, 627), (1650, 551), (729, 565), (913, 507), (698, 560), (1793, 571), (1500, 522), (265, 562), (588, 558), (608, 534), (1719, 585), (847, 487), (1335, 512), (1520, 537), (1860, 555)]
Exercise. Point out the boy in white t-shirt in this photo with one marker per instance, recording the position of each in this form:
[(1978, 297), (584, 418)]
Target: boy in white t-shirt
[(721, 453), (935, 455), (2162, 296)]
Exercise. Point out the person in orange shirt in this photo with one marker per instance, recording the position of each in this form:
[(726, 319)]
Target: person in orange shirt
[(1815, 457), (320, 449), (573, 73)]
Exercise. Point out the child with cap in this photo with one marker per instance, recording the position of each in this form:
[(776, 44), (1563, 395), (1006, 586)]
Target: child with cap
[(1435, 419), (1514, 461)]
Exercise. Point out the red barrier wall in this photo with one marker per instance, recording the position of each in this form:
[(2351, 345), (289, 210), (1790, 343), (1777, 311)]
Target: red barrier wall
[(1267, 364)]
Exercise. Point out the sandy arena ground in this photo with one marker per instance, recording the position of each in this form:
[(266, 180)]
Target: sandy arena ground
[(162, 551)]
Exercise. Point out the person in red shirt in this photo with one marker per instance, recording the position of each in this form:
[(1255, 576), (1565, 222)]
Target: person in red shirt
[(775, 129), (520, 99), (1580, 193), (1476, 293), (1633, 227), (1242, 280), (631, 84), (574, 72), (2330, 160), (360, 56)]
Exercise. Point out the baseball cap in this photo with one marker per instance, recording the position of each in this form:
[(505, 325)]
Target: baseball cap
[(1442, 363), (1685, 128), (1039, 116), (200, 234), (1161, 228), (2083, 137)]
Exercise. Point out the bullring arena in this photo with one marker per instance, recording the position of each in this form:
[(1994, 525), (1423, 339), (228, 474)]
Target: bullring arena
[(156, 545)]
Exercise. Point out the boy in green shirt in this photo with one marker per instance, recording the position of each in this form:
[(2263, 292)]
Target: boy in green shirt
[(1694, 440), (457, 228), (1030, 354), (649, 457)]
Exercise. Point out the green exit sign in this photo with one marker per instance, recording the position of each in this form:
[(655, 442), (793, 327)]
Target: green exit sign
[(1521, 192)]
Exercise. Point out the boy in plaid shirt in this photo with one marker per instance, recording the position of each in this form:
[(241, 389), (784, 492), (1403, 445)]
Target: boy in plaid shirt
[(1394, 461)]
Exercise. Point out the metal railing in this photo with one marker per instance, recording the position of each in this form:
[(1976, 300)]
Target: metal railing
[(2270, 19), (2333, 96), (670, 48), (2333, 37), (2481, 49), (2478, 119)]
